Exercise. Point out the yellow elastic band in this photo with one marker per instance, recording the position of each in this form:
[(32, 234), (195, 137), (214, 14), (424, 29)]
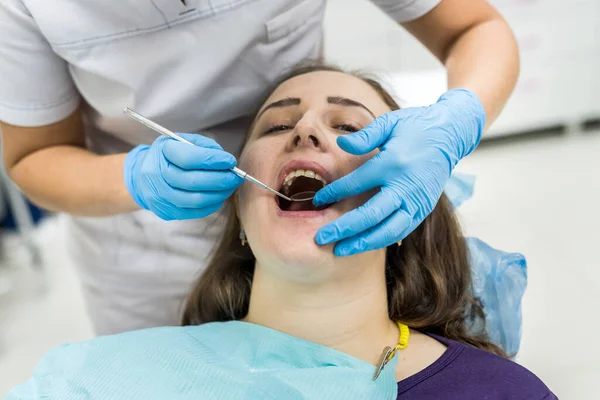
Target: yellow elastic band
[(402, 340), (404, 335)]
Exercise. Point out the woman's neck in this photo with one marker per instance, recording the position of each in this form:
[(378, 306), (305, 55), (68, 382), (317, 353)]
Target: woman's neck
[(348, 314)]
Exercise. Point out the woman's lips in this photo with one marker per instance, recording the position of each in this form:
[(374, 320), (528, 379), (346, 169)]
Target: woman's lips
[(294, 209), (294, 212), (303, 164), (300, 214)]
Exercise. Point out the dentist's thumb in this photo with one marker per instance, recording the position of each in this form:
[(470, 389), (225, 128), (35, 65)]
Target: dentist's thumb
[(368, 139)]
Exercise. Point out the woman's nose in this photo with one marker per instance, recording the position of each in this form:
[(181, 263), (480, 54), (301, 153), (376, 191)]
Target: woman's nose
[(308, 140), (306, 135)]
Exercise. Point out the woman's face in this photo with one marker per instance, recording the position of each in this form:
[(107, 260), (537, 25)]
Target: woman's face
[(292, 148)]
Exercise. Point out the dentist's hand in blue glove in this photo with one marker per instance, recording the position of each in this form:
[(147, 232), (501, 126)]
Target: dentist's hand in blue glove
[(178, 181), (419, 148)]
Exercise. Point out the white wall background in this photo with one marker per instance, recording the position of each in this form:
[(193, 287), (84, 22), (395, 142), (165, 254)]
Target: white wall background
[(560, 58)]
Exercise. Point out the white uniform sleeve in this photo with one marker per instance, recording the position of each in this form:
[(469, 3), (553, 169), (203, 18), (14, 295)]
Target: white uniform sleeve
[(35, 86), (406, 10)]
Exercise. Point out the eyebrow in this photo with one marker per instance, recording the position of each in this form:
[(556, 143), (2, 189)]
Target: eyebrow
[(343, 101), (288, 101), (295, 101)]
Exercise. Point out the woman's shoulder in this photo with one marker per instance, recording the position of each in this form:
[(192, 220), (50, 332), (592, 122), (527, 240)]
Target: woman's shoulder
[(492, 373)]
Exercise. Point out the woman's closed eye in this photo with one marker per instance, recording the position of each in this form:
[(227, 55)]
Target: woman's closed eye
[(340, 127), (278, 128), (346, 128)]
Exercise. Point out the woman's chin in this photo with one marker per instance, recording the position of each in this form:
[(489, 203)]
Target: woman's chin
[(301, 261)]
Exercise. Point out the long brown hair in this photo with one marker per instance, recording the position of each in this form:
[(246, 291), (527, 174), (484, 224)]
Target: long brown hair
[(428, 276)]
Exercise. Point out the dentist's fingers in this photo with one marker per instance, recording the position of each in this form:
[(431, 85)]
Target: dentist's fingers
[(365, 177), (170, 212), (194, 213), (379, 207), (186, 199), (369, 138), (197, 157), (200, 180), (393, 229), (200, 140)]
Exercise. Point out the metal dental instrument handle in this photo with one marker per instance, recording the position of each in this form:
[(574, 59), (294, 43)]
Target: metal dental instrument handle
[(164, 131)]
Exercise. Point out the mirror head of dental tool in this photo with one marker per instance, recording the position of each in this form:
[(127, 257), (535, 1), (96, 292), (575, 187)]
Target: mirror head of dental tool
[(298, 197), (303, 196)]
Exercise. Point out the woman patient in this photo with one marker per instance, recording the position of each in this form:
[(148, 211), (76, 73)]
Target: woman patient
[(276, 316)]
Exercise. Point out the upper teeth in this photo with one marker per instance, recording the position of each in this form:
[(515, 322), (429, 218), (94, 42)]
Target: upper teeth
[(289, 178)]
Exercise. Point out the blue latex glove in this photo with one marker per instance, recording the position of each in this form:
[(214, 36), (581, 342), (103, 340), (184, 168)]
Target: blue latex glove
[(419, 148), (178, 181)]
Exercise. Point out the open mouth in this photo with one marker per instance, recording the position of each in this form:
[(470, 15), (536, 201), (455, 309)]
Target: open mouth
[(300, 181)]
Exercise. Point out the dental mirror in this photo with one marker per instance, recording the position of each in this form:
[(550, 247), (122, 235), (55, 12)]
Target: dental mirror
[(303, 196)]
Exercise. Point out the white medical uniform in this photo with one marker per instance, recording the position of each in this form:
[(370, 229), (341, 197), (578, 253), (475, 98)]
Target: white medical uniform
[(201, 66)]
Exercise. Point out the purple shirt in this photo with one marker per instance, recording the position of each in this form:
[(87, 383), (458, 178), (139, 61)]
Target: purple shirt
[(466, 373)]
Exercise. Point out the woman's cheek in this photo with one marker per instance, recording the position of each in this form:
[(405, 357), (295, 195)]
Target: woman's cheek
[(259, 160), (256, 161), (249, 157), (244, 163)]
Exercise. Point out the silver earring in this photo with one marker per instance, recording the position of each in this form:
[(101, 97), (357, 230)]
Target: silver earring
[(243, 237)]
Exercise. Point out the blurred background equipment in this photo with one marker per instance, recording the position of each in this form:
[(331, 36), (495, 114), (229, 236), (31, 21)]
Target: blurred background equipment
[(19, 216)]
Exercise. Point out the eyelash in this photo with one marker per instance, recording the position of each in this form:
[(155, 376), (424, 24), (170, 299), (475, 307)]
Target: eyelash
[(342, 127), (277, 128), (348, 128)]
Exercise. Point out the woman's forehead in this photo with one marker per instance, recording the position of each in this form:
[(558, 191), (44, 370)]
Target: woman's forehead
[(314, 88)]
